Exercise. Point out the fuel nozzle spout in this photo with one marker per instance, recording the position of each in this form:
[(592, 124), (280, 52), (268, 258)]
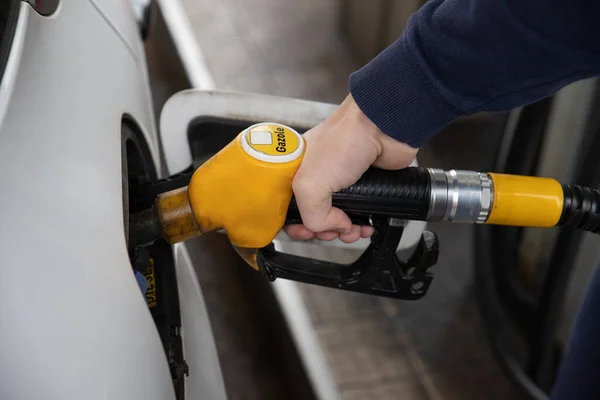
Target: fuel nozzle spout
[(171, 218)]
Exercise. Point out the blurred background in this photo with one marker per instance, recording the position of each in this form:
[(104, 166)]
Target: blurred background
[(497, 317)]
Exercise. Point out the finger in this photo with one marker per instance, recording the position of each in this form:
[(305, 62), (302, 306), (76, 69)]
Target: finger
[(314, 204), (298, 232), (366, 231), (327, 236), (351, 236), (394, 154)]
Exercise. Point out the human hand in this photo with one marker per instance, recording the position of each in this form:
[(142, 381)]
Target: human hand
[(338, 152)]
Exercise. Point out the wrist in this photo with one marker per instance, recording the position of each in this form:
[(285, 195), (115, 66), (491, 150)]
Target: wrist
[(377, 138), (363, 125)]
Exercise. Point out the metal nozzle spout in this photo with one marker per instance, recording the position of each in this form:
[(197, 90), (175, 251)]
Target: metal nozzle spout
[(170, 218), (176, 216)]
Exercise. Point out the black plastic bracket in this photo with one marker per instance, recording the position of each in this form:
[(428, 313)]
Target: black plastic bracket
[(378, 271)]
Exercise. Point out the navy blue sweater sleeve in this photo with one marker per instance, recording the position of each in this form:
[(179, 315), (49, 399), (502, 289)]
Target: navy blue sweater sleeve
[(460, 57)]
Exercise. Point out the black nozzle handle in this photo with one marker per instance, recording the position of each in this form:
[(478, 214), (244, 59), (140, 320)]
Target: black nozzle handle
[(402, 194)]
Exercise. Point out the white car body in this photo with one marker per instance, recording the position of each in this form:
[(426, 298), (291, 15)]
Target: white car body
[(74, 322)]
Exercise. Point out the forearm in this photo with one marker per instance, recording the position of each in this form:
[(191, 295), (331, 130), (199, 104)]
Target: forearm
[(459, 57)]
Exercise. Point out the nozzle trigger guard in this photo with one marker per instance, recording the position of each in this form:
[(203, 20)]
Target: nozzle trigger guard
[(378, 271)]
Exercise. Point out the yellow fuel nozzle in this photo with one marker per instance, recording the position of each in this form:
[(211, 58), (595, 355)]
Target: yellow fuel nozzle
[(244, 189)]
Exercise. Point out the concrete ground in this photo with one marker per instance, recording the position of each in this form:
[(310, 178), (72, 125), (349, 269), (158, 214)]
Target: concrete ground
[(433, 349)]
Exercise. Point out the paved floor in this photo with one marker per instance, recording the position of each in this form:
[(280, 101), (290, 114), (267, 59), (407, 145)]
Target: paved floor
[(433, 349)]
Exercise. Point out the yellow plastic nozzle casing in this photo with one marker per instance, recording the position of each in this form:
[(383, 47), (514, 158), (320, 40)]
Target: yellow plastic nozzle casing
[(246, 187), (525, 201)]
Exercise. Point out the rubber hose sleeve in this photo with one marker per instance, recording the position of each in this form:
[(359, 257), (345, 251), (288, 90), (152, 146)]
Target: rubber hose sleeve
[(581, 208)]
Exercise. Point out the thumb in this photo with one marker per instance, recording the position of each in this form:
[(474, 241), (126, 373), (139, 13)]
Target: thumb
[(394, 154)]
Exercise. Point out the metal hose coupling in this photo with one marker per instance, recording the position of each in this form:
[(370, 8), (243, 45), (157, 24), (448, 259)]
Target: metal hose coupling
[(460, 196)]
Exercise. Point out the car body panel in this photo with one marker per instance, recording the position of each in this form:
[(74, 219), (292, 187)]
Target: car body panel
[(75, 324), (119, 14)]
